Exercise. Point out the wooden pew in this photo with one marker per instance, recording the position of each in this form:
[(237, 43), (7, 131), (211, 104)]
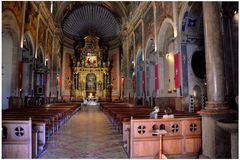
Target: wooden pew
[(39, 126), (46, 120), (17, 139), (121, 113), (183, 138)]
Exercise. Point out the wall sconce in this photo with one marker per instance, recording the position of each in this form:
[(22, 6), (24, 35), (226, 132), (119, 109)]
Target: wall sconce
[(167, 55), (169, 90), (174, 89)]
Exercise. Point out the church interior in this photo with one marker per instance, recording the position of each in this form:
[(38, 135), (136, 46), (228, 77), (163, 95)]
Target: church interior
[(120, 79)]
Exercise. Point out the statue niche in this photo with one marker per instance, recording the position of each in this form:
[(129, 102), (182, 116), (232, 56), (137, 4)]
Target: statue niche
[(91, 84), (91, 70)]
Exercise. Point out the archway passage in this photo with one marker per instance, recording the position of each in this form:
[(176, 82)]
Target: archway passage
[(39, 73), (27, 59)]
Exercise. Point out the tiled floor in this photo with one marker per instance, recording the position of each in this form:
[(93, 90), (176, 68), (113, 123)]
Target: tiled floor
[(88, 134)]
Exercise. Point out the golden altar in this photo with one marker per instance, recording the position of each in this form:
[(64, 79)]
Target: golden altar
[(91, 71)]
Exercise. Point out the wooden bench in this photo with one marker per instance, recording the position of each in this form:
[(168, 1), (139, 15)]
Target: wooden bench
[(120, 115), (183, 138), (17, 139), (46, 120)]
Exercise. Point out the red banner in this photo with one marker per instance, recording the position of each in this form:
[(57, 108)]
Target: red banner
[(58, 81), (20, 74), (177, 70), (143, 81), (156, 77)]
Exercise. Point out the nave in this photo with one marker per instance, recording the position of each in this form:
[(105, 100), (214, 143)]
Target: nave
[(88, 134)]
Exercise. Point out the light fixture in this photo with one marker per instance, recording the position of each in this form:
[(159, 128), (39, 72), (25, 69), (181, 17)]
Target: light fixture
[(235, 12)]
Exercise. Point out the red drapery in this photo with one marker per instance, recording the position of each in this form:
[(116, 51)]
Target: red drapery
[(177, 70), (156, 77)]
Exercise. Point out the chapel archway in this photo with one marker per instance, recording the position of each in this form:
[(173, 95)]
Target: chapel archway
[(166, 59), (39, 73), (28, 68)]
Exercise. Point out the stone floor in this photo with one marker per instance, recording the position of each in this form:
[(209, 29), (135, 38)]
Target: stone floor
[(88, 134)]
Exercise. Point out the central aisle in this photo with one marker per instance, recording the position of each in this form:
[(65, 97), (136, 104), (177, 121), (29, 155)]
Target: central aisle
[(88, 134)]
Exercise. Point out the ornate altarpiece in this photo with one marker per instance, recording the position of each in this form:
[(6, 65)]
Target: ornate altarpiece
[(91, 71)]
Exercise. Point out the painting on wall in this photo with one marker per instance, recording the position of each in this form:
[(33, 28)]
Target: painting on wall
[(138, 35), (148, 23), (31, 19), (91, 61), (41, 32), (49, 43)]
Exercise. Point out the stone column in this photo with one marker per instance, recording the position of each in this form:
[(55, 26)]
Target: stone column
[(213, 54), (216, 108)]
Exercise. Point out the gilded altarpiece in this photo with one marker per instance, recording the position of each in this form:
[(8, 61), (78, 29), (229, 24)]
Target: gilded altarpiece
[(91, 71)]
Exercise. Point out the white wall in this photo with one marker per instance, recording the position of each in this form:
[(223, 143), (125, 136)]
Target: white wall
[(7, 68)]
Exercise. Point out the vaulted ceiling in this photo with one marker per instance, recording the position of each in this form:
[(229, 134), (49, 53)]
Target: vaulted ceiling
[(101, 18), (91, 19)]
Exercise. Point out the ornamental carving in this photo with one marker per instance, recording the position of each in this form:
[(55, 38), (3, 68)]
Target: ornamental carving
[(91, 70)]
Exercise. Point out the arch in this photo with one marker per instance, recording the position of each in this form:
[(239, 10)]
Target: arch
[(27, 58), (10, 51), (10, 25), (166, 59), (193, 11), (183, 13), (139, 69), (30, 39), (192, 40), (162, 31), (39, 74)]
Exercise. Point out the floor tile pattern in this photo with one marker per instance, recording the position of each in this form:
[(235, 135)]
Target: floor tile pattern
[(88, 134)]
